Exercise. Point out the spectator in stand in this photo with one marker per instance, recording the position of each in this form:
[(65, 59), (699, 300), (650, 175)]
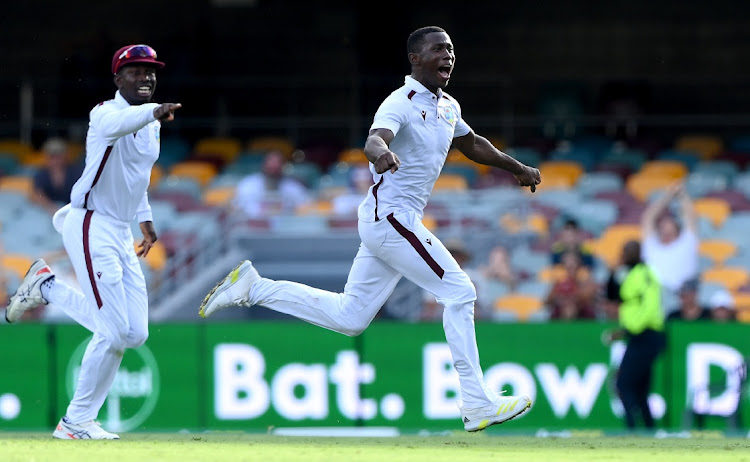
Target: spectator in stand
[(722, 307), (53, 182), (572, 239), (574, 296), (669, 249), (690, 309), (270, 192), (347, 204), (498, 268)]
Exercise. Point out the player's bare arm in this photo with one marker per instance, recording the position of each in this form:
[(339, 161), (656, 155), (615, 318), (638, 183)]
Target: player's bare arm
[(481, 151), (377, 151), (165, 112), (149, 238)]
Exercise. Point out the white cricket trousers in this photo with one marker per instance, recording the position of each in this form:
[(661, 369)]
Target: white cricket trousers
[(396, 245), (113, 305)]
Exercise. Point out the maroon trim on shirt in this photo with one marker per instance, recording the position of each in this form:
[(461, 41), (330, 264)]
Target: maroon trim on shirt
[(375, 194), (98, 174), (87, 256), (417, 244), (411, 93)]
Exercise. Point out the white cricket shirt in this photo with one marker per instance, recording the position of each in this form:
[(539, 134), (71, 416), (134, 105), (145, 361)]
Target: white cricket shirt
[(122, 145), (424, 125)]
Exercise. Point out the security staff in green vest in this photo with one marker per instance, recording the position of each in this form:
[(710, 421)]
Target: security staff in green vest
[(641, 318)]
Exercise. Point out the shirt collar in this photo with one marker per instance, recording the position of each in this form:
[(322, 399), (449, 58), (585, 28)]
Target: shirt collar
[(413, 84), (120, 100)]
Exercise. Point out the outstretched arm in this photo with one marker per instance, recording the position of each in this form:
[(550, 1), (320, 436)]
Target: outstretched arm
[(689, 217), (654, 209), (377, 151), (481, 151)]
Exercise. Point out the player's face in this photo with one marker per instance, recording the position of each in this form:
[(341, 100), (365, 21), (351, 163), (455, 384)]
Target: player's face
[(136, 83), (436, 60)]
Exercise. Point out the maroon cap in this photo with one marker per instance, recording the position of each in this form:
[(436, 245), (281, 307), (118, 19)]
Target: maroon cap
[(131, 54)]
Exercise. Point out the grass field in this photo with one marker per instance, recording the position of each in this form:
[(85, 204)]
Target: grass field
[(231, 447)]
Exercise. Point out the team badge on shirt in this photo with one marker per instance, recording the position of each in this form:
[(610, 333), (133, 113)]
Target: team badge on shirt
[(450, 115), (156, 133)]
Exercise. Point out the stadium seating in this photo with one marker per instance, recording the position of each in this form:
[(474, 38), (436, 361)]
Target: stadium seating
[(717, 250), (732, 278), (202, 172), (21, 184), (224, 149), (522, 305), (706, 146), (268, 143)]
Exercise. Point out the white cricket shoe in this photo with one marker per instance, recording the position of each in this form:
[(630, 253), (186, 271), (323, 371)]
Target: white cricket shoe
[(91, 430), (233, 290), (29, 293), (502, 410)]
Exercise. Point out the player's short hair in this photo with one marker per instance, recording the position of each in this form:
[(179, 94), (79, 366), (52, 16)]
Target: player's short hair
[(416, 39)]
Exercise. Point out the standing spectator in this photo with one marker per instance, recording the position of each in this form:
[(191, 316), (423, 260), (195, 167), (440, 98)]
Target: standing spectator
[(722, 307), (572, 239), (573, 296), (690, 309), (270, 192), (360, 181), (498, 268), (669, 249), (637, 289), (53, 182)]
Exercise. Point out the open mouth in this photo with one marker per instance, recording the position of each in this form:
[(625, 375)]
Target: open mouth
[(144, 90), (445, 72)]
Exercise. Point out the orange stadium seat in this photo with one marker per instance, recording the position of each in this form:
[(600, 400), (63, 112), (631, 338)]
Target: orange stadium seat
[(717, 250), (642, 186), (319, 207), (225, 149), (429, 222), (560, 172), (16, 147), (609, 245), (706, 146), (450, 183), (665, 169), (715, 209), (202, 172), (157, 256), (270, 143), (17, 183), (354, 156), (520, 304), (732, 278), (157, 173), (17, 263), (220, 196)]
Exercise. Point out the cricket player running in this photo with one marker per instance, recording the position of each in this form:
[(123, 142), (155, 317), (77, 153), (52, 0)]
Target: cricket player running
[(122, 145), (407, 146)]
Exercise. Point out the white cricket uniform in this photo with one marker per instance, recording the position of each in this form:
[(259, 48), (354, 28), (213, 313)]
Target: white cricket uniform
[(396, 244), (122, 145)]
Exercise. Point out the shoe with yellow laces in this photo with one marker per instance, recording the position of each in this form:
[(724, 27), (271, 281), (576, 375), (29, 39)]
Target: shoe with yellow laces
[(502, 410)]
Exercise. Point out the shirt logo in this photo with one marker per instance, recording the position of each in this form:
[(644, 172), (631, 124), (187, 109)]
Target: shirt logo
[(99, 274), (424, 115), (428, 241), (157, 133), (449, 114)]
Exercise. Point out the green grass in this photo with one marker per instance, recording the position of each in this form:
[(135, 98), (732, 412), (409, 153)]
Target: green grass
[(231, 447)]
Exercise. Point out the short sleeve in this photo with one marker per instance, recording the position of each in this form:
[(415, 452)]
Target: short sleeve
[(391, 115), (462, 128)]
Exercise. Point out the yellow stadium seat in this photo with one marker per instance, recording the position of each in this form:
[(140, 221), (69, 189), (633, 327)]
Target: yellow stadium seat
[(33, 159), (456, 157), (270, 143), (732, 278), (743, 315), (742, 301), (717, 250), (642, 186), (319, 207), (226, 149), (157, 255), (538, 223), (16, 147), (665, 169), (706, 146), (551, 273), (429, 222), (219, 196), (715, 209), (202, 172), (560, 172), (609, 245), (450, 183), (157, 173), (520, 304), (16, 263), (354, 156), (17, 183)]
